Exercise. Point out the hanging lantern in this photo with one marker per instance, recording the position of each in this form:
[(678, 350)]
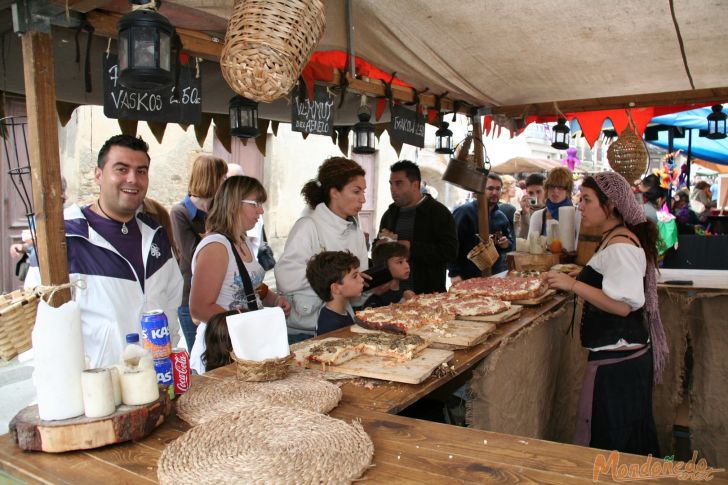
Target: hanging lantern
[(364, 138), (717, 123), (243, 117), (561, 135), (443, 144), (146, 55)]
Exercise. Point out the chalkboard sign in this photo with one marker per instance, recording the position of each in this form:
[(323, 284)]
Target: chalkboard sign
[(314, 116), (408, 126), (162, 105)]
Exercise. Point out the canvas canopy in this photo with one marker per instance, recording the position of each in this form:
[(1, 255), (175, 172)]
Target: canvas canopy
[(524, 164)]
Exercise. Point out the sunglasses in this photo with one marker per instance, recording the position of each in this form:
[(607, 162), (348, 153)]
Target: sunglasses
[(254, 203)]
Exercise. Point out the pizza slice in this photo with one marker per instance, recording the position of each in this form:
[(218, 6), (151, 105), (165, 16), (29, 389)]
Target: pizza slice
[(476, 306), (396, 347)]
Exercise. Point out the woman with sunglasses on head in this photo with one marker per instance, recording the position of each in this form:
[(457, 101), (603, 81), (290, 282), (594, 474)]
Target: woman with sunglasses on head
[(620, 323), (559, 184), (225, 273)]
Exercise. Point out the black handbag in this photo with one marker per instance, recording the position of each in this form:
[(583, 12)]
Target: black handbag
[(265, 255)]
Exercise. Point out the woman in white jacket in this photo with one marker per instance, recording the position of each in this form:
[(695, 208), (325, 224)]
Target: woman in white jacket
[(335, 198)]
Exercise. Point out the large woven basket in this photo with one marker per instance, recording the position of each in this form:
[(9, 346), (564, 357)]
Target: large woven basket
[(267, 44), (17, 318), (484, 254), (261, 371), (628, 156)]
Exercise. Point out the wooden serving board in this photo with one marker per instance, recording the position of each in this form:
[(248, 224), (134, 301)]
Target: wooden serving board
[(511, 314), (459, 334), (82, 433), (411, 372), (536, 301), (531, 262)]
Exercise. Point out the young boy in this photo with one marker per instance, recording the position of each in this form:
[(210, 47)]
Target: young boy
[(394, 256), (334, 276)]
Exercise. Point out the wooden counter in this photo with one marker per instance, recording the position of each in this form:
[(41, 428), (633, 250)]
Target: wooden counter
[(406, 451)]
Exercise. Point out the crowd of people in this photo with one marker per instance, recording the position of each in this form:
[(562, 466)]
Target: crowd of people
[(204, 268)]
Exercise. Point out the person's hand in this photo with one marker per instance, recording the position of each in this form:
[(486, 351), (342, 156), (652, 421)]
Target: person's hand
[(366, 277), (408, 295), (525, 206), (455, 280), (284, 304), (387, 234), (560, 281), (16, 250), (405, 243), (503, 242)]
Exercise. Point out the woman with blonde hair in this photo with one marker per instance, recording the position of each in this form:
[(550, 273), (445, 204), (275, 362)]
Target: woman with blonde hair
[(559, 185), (188, 225), (225, 273)]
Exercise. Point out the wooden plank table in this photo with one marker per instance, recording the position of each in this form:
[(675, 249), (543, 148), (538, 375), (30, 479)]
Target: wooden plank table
[(406, 451)]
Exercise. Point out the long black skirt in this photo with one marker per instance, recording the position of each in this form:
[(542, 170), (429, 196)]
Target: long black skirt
[(622, 406)]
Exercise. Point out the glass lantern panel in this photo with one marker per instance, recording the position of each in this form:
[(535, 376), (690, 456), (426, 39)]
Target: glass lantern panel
[(165, 51), (144, 46), (244, 117), (234, 118), (371, 142), (124, 50), (361, 139)]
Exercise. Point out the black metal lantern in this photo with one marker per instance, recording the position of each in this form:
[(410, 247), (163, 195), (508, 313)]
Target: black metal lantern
[(146, 54), (561, 135), (717, 123), (443, 144), (364, 138), (243, 117)]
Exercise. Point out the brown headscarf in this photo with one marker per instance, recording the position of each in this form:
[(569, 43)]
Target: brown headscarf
[(618, 191)]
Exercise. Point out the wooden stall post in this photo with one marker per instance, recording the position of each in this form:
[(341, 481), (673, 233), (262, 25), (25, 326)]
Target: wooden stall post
[(483, 209), (44, 157)]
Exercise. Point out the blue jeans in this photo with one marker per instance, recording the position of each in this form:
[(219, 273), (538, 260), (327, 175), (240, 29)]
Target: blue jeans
[(189, 329)]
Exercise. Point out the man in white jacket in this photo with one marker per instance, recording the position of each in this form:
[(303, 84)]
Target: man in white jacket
[(123, 255)]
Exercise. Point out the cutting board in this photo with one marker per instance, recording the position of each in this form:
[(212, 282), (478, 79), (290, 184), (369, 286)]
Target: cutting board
[(459, 334), (82, 433), (411, 372), (536, 301), (509, 315)]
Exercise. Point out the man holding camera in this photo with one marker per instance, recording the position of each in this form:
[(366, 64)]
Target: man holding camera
[(532, 201), (466, 220)]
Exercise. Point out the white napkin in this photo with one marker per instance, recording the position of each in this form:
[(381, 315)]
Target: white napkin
[(259, 335)]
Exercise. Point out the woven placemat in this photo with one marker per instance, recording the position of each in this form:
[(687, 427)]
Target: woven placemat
[(209, 398), (267, 444)]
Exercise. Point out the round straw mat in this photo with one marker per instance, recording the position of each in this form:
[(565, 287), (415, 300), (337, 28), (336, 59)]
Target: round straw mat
[(209, 398), (268, 444)]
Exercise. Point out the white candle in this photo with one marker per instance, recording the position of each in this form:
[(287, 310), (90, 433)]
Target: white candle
[(567, 228), (116, 383), (139, 387), (59, 361), (98, 393)]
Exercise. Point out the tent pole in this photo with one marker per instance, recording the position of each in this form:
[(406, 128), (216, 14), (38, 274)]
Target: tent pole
[(483, 209), (45, 163), (350, 39), (690, 150)]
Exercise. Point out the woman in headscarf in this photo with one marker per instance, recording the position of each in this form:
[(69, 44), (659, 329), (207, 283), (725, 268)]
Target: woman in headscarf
[(620, 323)]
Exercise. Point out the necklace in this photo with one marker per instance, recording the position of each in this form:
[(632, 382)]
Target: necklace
[(124, 229)]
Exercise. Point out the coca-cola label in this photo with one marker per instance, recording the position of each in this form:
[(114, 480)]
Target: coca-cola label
[(181, 371)]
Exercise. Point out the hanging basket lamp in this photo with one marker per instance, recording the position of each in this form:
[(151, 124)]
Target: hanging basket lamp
[(628, 156), (146, 48), (267, 44)]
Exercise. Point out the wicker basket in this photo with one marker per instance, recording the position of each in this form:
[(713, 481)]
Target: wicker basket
[(17, 318), (628, 156), (267, 44), (260, 371), (484, 254)]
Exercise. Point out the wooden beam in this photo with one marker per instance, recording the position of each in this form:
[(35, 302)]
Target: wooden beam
[(82, 6), (695, 96), (45, 164), (196, 43)]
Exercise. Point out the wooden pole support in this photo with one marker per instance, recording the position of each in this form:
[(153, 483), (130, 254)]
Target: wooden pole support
[(45, 165), (483, 209)]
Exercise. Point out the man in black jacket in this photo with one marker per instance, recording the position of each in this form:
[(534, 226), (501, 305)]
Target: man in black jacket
[(422, 224)]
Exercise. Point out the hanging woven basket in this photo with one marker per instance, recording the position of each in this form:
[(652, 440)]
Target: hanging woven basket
[(267, 44), (628, 156)]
